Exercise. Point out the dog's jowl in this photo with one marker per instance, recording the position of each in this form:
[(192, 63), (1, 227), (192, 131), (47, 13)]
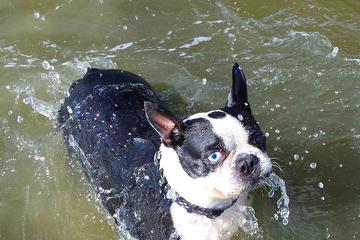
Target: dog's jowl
[(203, 168)]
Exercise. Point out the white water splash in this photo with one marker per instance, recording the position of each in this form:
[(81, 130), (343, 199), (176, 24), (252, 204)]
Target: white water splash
[(196, 41), (249, 223), (275, 183), (42, 107), (333, 53), (121, 47)]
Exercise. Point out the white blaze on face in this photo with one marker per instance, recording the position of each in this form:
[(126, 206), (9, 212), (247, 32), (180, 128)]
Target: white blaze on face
[(218, 188)]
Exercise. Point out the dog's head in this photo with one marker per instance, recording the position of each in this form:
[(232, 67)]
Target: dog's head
[(214, 157)]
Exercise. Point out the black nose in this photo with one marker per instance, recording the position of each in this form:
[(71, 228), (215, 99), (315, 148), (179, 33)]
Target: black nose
[(246, 163)]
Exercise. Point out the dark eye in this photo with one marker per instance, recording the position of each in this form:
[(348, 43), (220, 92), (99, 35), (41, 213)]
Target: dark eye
[(215, 156)]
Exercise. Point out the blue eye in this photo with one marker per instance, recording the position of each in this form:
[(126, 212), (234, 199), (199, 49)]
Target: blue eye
[(215, 156)]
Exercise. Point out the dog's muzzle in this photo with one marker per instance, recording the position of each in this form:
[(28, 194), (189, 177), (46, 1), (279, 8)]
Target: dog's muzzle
[(247, 164)]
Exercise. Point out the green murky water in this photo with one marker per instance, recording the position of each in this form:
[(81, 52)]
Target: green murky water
[(302, 59)]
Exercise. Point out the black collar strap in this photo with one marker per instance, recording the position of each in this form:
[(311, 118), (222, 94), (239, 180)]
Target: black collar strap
[(208, 212)]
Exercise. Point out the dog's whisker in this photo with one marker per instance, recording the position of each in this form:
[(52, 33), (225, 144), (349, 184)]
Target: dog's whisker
[(277, 166), (275, 163), (262, 191)]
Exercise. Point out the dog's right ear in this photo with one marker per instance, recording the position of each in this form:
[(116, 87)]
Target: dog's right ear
[(166, 125)]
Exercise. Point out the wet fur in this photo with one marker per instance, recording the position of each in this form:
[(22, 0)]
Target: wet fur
[(105, 125)]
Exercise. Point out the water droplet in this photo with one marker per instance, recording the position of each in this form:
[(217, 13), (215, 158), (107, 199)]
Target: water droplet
[(20, 119), (313, 165), (66, 94), (54, 76), (69, 109), (125, 27), (322, 198), (303, 128), (296, 157), (298, 132), (43, 76), (340, 165), (267, 134), (240, 117), (321, 185), (328, 235), (204, 81), (46, 65), (277, 131), (36, 15), (277, 105)]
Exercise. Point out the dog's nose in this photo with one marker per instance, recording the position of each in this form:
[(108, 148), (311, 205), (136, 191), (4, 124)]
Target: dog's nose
[(246, 163)]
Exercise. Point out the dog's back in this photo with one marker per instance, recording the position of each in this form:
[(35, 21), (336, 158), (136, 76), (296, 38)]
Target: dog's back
[(104, 123)]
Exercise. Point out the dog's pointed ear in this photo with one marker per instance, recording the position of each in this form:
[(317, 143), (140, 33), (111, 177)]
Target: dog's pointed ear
[(167, 125), (238, 93)]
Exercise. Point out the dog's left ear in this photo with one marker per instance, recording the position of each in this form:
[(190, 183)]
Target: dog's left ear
[(167, 125), (238, 93), (238, 96), (238, 104)]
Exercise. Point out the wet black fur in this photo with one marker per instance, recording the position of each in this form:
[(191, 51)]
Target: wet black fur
[(109, 124), (217, 114)]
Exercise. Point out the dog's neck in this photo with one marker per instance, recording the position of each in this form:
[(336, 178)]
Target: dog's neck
[(187, 187), (193, 226), (191, 208)]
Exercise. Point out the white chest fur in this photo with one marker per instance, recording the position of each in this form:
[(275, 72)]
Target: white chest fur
[(197, 227)]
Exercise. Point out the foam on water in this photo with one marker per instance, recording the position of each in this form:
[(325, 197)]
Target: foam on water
[(121, 47), (196, 41), (275, 183)]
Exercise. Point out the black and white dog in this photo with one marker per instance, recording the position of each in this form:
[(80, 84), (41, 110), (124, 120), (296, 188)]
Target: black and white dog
[(204, 165)]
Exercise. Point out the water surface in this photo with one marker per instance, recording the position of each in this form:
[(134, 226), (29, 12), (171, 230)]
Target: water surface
[(302, 59)]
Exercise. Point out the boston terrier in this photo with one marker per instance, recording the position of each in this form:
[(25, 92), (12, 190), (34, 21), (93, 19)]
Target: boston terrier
[(160, 176)]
